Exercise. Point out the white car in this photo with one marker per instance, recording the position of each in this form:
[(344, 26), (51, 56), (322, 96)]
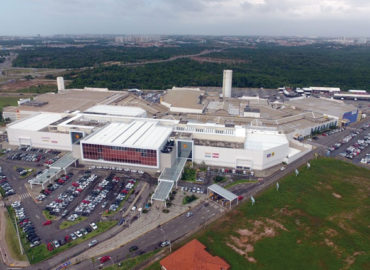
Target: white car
[(282, 168), (93, 226), (78, 234), (93, 243), (56, 244)]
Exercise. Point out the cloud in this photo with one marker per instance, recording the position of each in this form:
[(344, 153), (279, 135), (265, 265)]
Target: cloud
[(188, 16)]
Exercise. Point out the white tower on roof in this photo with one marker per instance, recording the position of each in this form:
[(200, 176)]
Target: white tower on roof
[(227, 83), (60, 83)]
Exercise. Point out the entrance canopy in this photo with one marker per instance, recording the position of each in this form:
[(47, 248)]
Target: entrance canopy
[(224, 193), (162, 191)]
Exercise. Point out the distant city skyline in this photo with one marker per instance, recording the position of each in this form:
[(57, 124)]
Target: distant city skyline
[(199, 17)]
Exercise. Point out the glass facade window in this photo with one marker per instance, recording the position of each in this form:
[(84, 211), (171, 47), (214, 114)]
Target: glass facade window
[(118, 154)]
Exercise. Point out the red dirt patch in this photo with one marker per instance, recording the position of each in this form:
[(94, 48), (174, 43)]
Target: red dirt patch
[(243, 245)]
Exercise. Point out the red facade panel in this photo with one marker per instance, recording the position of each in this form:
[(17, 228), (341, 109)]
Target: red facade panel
[(138, 156)]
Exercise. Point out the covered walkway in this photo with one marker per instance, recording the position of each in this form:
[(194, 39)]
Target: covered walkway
[(55, 169), (169, 178)]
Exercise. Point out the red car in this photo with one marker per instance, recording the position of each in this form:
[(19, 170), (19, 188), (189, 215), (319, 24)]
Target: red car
[(240, 198), (48, 222), (50, 247), (67, 238), (75, 184), (104, 259)]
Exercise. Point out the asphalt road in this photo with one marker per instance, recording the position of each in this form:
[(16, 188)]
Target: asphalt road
[(170, 231)]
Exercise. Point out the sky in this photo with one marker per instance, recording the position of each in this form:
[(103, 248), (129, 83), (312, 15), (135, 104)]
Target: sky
[(349, 18)]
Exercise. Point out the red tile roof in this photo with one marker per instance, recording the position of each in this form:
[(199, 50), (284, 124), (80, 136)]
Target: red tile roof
[(193, 256)]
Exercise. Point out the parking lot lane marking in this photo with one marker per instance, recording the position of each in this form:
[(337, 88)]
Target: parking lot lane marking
[(37, 216)]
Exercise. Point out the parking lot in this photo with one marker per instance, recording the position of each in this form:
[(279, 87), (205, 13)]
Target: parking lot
[(37, 156), (70, 206), (351, 143)]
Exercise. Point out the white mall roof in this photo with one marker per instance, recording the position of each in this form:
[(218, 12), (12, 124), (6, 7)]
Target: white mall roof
[(137, 134), (37, 122), (117, 110), (264, 141)]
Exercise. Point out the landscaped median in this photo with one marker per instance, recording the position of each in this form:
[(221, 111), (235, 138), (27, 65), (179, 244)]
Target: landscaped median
[(189, 174), (189, 199), (66, 224), (132, 262), (12, 240), (41, 253), (48, 216), (241, 181)]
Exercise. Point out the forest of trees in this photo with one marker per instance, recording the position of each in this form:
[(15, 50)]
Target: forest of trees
[(89, 56), (265, 66), (269, 67)]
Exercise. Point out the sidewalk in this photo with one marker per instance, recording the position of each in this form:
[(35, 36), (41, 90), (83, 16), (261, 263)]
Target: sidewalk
[(142, 225), (5, 254)]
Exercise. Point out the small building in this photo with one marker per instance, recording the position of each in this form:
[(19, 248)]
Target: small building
[(252, 112), (193, 256)]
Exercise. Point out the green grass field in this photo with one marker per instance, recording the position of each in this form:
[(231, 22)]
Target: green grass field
[(318, 220), (241, 181), (7, 101)]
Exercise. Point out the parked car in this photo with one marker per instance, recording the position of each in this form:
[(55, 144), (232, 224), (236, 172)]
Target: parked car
[(48, 222), (104, 259), (93, 226)]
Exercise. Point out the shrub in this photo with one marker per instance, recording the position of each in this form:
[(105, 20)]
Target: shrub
[(218, 178)]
